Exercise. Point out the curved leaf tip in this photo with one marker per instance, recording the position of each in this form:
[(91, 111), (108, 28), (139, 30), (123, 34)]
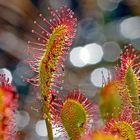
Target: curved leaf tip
[(73, 114)]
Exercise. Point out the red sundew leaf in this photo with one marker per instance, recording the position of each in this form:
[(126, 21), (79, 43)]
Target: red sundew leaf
[(110, 101), (52, 47), (48, 53), (129, 76), (73, 114), (8, 105), (99, 135), (124, 126)]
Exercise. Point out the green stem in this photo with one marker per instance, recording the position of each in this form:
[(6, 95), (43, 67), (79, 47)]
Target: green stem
[(48, 122), (49, 129)]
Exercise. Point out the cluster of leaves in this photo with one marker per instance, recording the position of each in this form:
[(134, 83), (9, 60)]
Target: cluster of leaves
[(74, 114), (119, 101), (116, 117)]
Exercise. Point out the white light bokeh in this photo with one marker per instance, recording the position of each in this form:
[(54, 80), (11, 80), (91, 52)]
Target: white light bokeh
[(130, 28), (84, 55), (41, 129), (111, 51), (22, 119), (108, 5), (99, 75), (7, 73), (89, 54), (56, 134), (95, 53), (75, 57)]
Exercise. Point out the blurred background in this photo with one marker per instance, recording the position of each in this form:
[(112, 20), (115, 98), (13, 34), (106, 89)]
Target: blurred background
[(104, 27)]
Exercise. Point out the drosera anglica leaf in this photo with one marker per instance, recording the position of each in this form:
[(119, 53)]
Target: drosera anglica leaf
[(110, 101), (48, 53), (51, 48), (99, 135), (73, 114), (129, 75), (8, 105), (124, 126)]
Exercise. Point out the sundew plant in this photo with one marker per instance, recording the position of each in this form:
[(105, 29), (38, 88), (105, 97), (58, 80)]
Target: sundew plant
[(8, 106), (73, 113)]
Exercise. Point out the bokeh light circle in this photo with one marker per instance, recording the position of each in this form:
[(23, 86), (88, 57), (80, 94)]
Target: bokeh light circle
[(56, 132), (111, 51), (7, 74), (84, 55), (75, 57), (107, 5), (130, 28), (41, 129), (22, 119), (95, 53), (99, 75), (89, 54)]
